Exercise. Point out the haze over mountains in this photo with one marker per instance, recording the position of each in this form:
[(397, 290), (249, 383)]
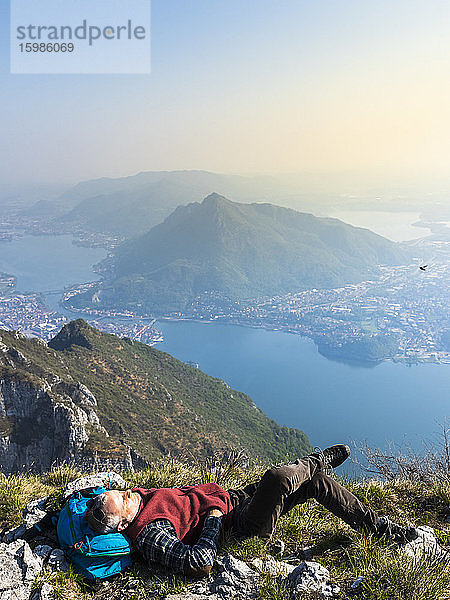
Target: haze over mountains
[(239, 251), (130, 206)]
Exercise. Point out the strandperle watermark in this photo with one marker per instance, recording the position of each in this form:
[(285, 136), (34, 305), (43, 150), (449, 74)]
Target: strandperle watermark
[(82, 32), (80, 36)]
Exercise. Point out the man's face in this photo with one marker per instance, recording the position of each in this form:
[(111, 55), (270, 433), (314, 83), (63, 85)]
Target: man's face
[(123, 504)]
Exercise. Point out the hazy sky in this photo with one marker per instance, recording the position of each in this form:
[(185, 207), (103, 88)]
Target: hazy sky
[(319, 86)]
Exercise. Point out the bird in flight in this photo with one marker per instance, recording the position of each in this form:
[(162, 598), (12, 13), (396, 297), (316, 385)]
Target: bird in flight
[(423, 267)]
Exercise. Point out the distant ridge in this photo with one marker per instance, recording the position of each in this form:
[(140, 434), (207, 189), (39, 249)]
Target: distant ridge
[(129, 206)]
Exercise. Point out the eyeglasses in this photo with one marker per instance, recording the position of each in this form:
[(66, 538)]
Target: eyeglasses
[(98, 514)]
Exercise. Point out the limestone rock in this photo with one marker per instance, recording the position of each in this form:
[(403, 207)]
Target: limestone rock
[(48, 421), (272, 566), (45, 593), (86, 394), (235, 580), (104, 479), (34, 511), (194, 595), (427, 543), (31, 563), (238, 580), (17, 356), (188, 595), (18, 568), (312, 577)]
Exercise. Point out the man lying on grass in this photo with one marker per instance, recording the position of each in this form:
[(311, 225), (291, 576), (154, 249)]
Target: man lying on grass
[(179, 527)]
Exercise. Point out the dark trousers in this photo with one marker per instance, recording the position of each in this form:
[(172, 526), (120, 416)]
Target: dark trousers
[(258, 506)]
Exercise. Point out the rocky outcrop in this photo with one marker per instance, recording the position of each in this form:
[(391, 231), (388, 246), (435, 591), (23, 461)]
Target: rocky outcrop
[(240, 581), (72, 334), (312, 577), (147, 400), (107, 480), (44, 420), (18, 568)]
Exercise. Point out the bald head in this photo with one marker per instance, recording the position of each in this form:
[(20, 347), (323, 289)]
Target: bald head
[(112, 511)]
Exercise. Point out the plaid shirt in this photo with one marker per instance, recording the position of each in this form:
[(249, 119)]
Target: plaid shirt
[(158, 543)]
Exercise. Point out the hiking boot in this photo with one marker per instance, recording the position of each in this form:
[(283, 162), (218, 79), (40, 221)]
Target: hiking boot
[(397, 533), (333, 456)]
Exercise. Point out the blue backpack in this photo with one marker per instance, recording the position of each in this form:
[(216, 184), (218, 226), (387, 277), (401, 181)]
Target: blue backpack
[(94, 555)]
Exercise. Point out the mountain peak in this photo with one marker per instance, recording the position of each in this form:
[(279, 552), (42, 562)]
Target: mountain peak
[(216, 199), (241, 251), (75, 333)]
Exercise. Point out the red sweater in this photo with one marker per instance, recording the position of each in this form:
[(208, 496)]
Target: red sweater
[(185, 507)]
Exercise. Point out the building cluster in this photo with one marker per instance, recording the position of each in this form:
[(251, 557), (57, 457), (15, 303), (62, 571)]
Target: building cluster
[(28, 313), (404, 303)]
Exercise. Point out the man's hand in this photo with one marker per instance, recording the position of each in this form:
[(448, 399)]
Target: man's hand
[(215, 512)]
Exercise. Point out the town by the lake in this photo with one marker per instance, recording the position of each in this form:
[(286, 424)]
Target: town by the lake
[(404, 307)]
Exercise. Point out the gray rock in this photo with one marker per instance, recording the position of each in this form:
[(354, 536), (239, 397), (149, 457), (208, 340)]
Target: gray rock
[(105, 479), (18, 568), (13, 534), (86, 394), (63, 415), (188, 595), (17, 356), (426, 544), (11, 564), (235, 579), (31, 564), (197, 591), (43, 551), (45, 593), (312, 577), (238, 580), (34, 511), (58, 560), (272, 566), (20, 593)]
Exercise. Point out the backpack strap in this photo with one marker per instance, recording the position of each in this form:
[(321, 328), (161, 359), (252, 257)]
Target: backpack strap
[(47, 525), (89, 492), (44, 527)]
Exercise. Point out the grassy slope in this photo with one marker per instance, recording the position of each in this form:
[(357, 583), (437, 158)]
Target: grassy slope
[(152, 401), (389, 575)]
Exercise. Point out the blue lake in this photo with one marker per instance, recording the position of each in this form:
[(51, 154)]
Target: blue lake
[(332, 402), (283, 373), (43, 263)]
